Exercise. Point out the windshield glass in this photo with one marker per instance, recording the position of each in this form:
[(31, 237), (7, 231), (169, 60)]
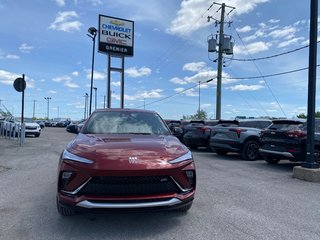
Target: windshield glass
[(125, 123), (26, 120)]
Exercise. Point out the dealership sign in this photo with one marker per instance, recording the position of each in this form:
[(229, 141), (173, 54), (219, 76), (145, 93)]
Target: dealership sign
[(116, 36)]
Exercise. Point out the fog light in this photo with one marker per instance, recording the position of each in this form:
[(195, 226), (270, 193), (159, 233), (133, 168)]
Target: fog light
[(65, 179), (66, 175), (191, 177)]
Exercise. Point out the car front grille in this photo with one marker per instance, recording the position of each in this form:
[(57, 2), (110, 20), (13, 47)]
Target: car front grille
[(31, 128), (129, 186)]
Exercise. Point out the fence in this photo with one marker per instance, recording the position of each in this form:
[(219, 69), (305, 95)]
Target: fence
[(13, 131)]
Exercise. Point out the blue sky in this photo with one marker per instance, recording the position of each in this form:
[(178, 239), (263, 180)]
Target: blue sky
[(46, 40)]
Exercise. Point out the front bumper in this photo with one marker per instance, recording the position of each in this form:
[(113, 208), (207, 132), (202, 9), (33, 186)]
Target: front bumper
[(88, 194)]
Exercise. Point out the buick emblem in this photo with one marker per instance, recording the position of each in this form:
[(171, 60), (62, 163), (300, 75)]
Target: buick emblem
[(133, 160)]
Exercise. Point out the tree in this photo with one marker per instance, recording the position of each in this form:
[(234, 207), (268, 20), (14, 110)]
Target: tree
[(202, 114), (302, 115)]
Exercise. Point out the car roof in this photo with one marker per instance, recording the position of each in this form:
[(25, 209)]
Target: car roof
[(123, 110)]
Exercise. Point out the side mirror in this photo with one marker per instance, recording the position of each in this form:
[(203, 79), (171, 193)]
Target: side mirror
[(176, 131)]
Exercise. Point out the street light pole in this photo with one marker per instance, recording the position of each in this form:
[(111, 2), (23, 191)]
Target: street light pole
[(85, 105), (93, 34), (48, 100), (95, 97)]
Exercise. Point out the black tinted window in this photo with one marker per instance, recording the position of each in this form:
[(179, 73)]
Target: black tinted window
[(286, 126)]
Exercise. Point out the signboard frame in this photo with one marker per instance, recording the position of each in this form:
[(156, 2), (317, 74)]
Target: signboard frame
[(119, 31)]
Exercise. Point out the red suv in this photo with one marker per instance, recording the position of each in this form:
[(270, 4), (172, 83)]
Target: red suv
[(125, 159)]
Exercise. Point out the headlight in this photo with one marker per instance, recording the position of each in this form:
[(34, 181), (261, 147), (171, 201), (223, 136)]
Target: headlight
[(185, 157), (72, 157)]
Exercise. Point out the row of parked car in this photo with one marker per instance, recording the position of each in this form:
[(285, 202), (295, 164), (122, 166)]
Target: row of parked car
[(272, 140)]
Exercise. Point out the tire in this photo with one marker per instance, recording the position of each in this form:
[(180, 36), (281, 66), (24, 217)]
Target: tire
[(185, 208), (220, 152), (65, 211), (250, 150), (317, 156), (271, 160), (193, 147), (37, 135)]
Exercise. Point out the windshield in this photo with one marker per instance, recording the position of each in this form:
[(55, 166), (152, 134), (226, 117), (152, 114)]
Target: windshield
[(26, 120), (125, 123)]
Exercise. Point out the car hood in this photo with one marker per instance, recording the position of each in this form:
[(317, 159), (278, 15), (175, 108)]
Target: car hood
[(126, 150), (29, 124)]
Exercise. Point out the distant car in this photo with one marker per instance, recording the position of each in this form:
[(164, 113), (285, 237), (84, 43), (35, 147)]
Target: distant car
[(286, 139), (73, 127), (12, 125), (47, 124), (54, 124), (197, 134), (41, 123), (125, 159), (242, 136)]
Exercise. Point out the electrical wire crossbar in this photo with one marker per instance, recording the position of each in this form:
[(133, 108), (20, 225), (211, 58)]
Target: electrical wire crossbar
[(270, 75), (267, 57), (178, 93)]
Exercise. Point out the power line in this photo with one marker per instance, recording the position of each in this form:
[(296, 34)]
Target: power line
[(258, 69), (176, 94), (267, 57), (270, 75)]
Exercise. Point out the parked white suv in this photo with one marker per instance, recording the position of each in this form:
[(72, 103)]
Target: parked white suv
[(32, 128)]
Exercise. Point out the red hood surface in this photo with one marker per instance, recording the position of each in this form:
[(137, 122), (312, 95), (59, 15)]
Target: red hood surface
[(127, 151)]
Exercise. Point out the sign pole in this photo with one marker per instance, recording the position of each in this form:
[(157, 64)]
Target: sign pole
[(108, 83), (122, 82), (22, 110)]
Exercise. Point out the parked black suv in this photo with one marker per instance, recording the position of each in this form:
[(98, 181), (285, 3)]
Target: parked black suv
[(197, 134), (286, 139), (240, 136)]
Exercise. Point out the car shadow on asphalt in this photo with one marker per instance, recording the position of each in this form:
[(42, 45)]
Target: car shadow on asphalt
[(124, 225)]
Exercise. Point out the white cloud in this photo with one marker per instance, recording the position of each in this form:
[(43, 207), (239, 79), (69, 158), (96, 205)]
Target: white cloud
[(70, 84), (252, 48), (96, 75), (66, 80), (188, 18), (8, 78), (141, 72), (75, 73), (244, 29), (154, 93), (52, 91), (189, 93), (177, 80), (241, 87), (285, 32), (205, 105), (25, 48), (116, 84), (96, 2), (274, 21), (60, 3), (12, 57), (289, 42), (194, 66), (62, 78), (64, 22)]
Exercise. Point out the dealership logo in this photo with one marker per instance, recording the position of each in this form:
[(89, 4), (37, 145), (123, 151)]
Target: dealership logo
[(117, 22), (133, 160)]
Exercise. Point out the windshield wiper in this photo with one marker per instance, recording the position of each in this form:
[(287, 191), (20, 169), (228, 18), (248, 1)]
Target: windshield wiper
[(139, 133)]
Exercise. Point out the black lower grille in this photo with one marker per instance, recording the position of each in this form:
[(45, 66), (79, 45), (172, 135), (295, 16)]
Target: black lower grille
[(129, 186)]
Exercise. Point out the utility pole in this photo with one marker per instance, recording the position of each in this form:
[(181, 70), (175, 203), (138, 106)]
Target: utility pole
[(199, 100), (48, 100), (219, 76), (104, 101), (144, 103), (222, 48), (34, 108)]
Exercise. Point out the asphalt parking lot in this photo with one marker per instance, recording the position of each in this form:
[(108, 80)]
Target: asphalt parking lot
[(235, 199)]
